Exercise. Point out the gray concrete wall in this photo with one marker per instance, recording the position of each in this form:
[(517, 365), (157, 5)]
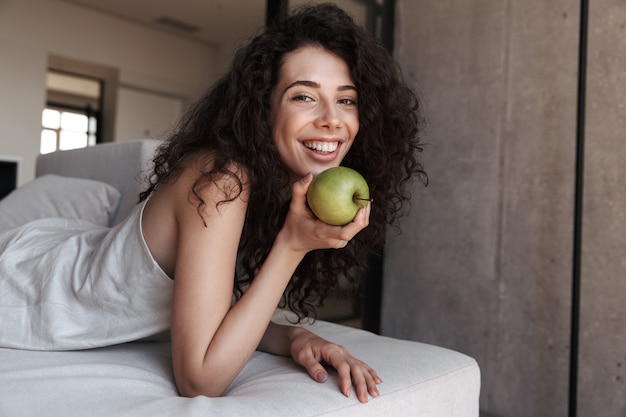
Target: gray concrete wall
[(483, 264), (603, 336)]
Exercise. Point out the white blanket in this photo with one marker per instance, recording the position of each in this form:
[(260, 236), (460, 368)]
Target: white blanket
[(68, 284)]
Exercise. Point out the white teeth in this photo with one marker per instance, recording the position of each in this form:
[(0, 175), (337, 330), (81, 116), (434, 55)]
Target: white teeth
[(323, 147)]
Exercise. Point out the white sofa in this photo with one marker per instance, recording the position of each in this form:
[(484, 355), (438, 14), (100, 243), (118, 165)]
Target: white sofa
[(135, 379)]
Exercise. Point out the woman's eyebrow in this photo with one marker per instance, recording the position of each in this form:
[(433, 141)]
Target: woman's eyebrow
[(305, 83), (314, 84), (346, 88)]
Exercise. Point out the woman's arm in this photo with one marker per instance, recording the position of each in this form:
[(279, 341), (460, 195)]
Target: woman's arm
[(211, 342)]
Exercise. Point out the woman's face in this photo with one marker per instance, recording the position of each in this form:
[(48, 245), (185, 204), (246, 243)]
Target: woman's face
[(314, 111)]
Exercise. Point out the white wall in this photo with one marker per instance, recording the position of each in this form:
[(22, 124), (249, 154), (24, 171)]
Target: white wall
[(147, 59), (145, 114)]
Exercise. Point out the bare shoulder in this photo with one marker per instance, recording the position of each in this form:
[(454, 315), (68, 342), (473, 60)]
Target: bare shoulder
[(185, 206)]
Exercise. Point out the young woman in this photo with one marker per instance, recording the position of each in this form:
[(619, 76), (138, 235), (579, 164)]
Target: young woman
[(226, 211)]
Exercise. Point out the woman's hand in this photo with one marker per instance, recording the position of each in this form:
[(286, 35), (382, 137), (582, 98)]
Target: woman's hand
[(305, 232), (310, 350)]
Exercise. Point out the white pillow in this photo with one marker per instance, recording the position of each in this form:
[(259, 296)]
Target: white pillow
[(57, 196)]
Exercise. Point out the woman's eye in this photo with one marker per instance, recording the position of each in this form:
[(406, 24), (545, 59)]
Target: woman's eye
[(347, 101), (303, 98)]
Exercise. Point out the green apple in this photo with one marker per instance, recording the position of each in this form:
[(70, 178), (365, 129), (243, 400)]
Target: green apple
[(337, 194)]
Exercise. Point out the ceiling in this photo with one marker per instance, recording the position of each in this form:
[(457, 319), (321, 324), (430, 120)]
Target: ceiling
[(216, 22), (223, 23)]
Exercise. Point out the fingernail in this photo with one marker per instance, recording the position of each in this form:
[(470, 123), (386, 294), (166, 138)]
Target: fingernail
[(320, 377)]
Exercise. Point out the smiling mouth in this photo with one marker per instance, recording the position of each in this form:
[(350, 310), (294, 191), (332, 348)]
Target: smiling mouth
[(321, 147)]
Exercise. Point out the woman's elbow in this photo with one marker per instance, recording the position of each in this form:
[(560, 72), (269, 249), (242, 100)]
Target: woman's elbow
[(190, 389), (192, 385)]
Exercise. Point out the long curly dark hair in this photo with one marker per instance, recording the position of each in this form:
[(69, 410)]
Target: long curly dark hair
[(232, 121)]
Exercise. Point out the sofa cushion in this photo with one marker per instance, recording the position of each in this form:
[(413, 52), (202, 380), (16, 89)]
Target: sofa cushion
[(136, 380), (57, 196)]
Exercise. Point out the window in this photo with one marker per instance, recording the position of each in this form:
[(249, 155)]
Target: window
[(70, 119), (67, 129), (80, 104)]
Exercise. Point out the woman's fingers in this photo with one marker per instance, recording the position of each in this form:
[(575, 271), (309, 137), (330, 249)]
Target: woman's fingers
[(315, 369), (339, 236), (361, 378), (351, 372), (311, 351)]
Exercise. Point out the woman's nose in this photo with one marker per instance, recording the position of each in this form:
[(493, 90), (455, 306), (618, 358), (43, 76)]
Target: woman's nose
[(328, 116)]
